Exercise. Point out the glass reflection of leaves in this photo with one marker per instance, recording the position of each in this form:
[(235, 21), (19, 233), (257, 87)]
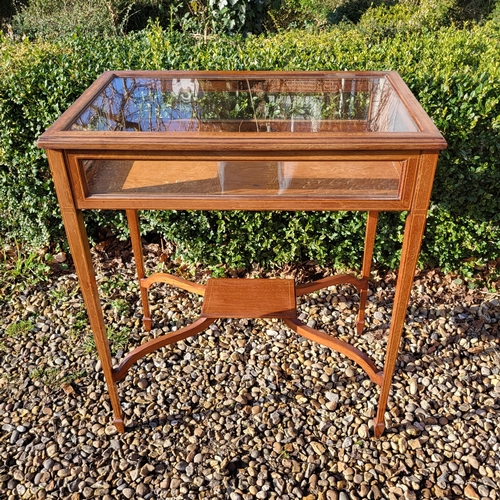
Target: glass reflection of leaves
[(272, 105)]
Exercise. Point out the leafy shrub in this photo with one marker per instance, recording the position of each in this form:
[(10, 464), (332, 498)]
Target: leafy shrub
[(303, 13), (417, 13), (51, 19), (387, 20), (455, 73), (59, 18)]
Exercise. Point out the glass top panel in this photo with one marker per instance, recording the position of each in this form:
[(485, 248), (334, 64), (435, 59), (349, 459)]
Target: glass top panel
[(253, 104)]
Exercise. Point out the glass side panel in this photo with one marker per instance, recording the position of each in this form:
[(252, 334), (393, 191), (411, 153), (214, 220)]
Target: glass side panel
[(378, 179), (326, 104)]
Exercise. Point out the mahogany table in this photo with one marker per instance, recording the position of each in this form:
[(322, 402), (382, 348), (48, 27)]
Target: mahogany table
[(245, 141)]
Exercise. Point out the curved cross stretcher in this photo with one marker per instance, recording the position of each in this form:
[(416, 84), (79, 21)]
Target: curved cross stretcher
[(251, 298)]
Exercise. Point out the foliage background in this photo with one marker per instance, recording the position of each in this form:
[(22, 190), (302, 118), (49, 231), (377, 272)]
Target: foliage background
[(447, 51)]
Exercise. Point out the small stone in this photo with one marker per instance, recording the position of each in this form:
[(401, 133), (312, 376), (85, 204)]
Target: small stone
[(414, 444), (142, 489), (332, 396), (147, 469), (175, 483), (439, 492), (471, 493), (63, 473), (364, 490), (44, 477), (363, 431), (128, 492), (181, 466), (309, 470), (88, 492), (189, 470), (376, 493), (52, 450), (347, 443), (60, 257), (349, 473), (413, 387), (68, 389), (402, 445), (483, 491), (318, 448), (110, 431), (313, 481), (279, 484), (143, 383)]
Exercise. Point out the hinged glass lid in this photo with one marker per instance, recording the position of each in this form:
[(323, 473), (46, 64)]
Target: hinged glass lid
[(247, 104)]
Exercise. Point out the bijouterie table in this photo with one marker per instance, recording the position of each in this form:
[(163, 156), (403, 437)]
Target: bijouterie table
[(245, 141)]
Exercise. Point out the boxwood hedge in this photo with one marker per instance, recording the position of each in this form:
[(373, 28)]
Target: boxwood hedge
[(455, 73)]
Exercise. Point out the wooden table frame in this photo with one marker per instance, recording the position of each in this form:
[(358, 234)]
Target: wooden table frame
[(416, 152)]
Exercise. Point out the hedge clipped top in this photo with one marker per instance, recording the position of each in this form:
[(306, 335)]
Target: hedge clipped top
[(455, 73)]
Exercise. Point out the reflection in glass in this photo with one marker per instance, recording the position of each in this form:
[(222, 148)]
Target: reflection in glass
[(326, 104)]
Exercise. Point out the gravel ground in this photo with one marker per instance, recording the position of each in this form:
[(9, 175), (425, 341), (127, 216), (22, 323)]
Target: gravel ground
[(248, 409)]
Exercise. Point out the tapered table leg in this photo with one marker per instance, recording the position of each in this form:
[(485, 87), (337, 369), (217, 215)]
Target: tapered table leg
[(78, 242), (414, 225), (413, 233), (371, 230), (135, 236)]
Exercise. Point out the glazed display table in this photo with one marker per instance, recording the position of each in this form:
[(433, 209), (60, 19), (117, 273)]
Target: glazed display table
[(245, 141)]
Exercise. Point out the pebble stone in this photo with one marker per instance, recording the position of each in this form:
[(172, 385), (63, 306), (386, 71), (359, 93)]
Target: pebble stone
[(248, 409)]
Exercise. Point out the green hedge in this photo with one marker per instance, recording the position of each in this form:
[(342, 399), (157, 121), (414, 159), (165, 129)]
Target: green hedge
[(455, 73)]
